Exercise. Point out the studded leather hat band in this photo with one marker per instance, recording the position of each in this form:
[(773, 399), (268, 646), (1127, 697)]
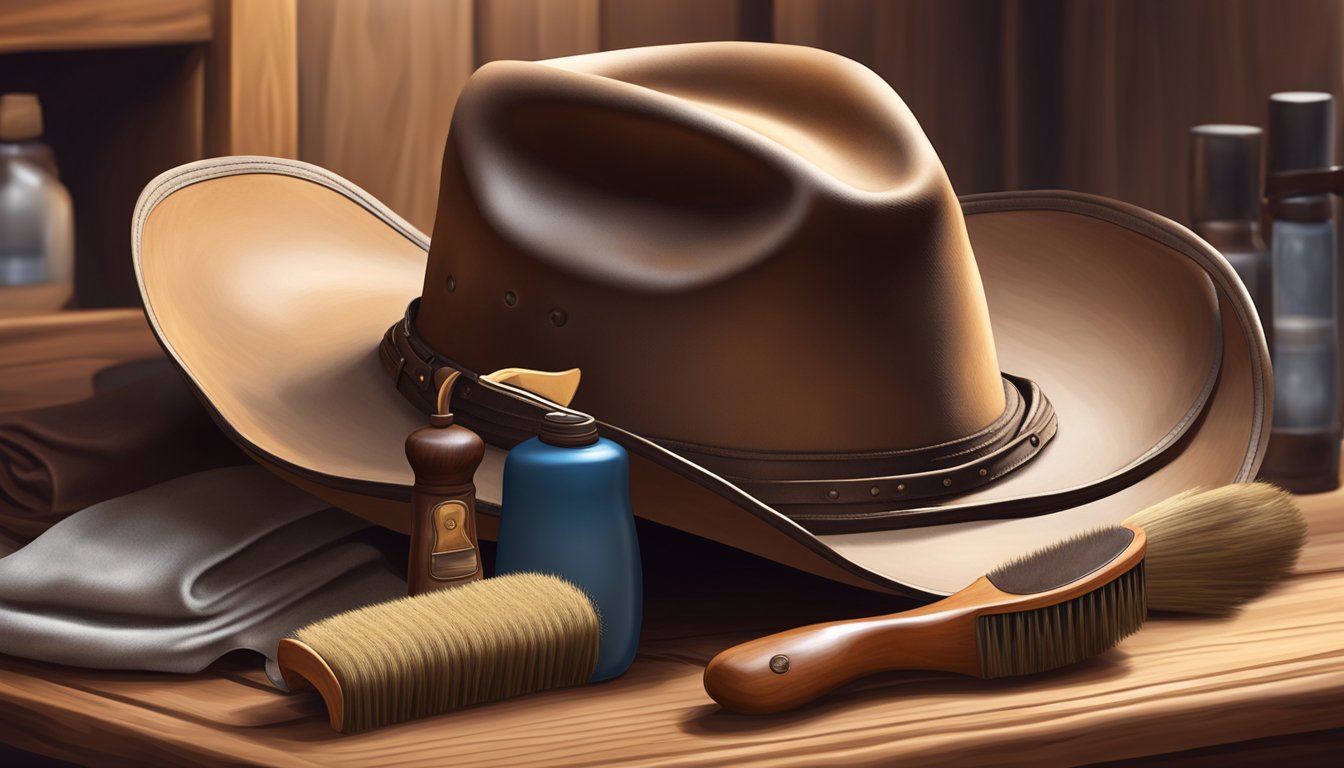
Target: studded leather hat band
[(884, 479), (1031, 424), (757, 465)]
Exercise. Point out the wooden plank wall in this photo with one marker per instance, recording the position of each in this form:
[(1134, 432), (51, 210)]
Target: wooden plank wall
[(254, 83), (1137, 75), (377, 82), (1096, 96)]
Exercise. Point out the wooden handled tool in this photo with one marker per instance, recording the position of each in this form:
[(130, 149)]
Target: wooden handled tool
[(1055, 607), (417, 656)]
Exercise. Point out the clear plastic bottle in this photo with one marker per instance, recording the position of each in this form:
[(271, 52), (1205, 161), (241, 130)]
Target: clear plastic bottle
[(37, 236)]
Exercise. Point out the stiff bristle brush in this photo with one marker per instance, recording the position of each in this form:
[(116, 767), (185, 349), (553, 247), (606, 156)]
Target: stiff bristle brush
[(444, 650), (1200, 552)]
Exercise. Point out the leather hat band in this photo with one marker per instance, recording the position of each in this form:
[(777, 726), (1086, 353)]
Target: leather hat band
[(836, 483), (897, 479)]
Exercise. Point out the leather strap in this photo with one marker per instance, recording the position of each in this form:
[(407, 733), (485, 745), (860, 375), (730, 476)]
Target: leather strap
[(1030, 424), (841, 484), (498, 416), (1297, 195)]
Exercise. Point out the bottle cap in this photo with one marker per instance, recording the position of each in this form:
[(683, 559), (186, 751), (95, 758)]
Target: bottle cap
[(1301, 137), (20, 117), (568, 430), (1301, 131), (1225, 173)]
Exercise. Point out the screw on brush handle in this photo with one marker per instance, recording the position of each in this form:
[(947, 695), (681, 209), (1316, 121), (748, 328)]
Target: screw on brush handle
[(444, 551)]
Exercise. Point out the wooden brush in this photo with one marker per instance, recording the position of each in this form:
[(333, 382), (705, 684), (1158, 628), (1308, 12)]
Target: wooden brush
[(1057, 606), (1207, 552), (445, 649)]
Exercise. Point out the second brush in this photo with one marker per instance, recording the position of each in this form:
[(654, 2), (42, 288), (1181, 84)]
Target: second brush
[(1197, 552)]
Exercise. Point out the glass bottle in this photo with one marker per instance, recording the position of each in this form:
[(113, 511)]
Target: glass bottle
[(37, 238), (1303, 453), (1225, 207)]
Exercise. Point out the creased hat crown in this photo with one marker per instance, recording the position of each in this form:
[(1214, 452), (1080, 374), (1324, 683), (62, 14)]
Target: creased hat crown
[(763, 232)]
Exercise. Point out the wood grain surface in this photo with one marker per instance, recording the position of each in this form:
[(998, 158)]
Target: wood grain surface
[(635, 23), (27, 25), (1138, 75), (535, 29), (380, 117), (59, 354), (1179, 684), (254, 80)]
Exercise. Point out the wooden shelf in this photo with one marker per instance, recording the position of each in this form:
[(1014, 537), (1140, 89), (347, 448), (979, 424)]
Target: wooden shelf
[(1265, 686), (131, 88), (60, 25)]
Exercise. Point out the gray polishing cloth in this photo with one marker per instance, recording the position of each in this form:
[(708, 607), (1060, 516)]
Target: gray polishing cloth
[(172, 577)]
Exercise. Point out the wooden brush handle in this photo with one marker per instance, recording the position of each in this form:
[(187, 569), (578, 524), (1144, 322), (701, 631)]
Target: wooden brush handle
[(302, 668), (789, 669)]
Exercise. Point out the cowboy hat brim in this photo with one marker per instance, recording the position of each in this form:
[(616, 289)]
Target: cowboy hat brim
[(270, 283)]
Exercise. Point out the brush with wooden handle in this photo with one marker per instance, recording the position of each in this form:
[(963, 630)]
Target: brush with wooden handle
[(445, 649), (1054, 607), (1207, 552)]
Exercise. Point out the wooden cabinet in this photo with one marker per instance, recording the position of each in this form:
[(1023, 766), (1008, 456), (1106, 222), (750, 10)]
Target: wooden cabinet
[(131, 88)]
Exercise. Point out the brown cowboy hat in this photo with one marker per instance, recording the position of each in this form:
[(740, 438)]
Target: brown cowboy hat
[(810, 347)]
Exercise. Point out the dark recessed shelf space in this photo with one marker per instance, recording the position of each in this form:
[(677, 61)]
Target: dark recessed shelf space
[(115, 119)]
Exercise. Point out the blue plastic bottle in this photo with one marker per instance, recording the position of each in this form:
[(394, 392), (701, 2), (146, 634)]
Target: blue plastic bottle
[(566, 511)]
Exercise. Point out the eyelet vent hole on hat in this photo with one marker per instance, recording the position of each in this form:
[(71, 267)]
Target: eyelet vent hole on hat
[(685, 207)]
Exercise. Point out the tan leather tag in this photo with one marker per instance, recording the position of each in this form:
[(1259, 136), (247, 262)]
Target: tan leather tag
[(454, 553), (557, 386)]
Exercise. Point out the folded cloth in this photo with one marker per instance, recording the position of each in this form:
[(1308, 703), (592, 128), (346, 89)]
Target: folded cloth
[(141, 426), (172, 577)]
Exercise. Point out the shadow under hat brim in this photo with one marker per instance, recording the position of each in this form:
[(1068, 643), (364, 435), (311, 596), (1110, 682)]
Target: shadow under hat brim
[(271, 282)]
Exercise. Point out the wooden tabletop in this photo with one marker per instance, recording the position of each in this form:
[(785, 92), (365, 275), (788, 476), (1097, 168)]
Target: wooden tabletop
[(1271, 678)]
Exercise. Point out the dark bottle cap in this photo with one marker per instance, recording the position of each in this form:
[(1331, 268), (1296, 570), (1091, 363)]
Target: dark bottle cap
[(1301, 131), (1301, 137), (1225, 173), (568, 430)]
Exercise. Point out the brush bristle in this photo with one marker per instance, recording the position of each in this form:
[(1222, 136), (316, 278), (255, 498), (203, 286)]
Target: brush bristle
[(1211, 551), (1027, 642), (447, 649), (1063, 562)]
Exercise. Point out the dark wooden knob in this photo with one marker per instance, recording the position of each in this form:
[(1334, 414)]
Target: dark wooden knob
[(444, 453)]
